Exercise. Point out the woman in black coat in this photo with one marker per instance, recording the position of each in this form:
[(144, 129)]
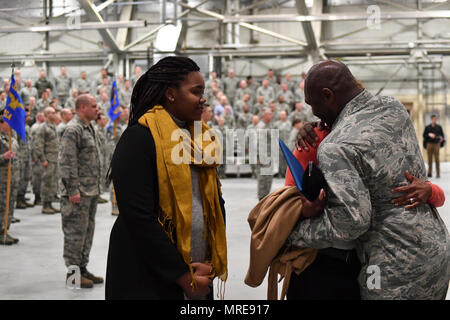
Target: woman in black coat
[(144, 261)]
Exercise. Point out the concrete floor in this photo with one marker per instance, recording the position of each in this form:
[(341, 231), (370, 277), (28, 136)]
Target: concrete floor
[(34, 268)]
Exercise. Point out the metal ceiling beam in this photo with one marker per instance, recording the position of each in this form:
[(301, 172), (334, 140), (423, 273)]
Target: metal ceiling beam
[(122, 33), (328, 41), (82, 26), (105, 33), (397, 15), (103, 5), (397, 5), (312, 33), (249, 26), (307, 27), (151, 33)]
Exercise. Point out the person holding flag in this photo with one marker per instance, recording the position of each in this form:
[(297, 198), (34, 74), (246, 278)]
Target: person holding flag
[(12, 117), (114, 109), (113, 135)]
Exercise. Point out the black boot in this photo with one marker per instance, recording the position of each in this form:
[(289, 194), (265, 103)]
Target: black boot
[(37, 199), (20, 202)]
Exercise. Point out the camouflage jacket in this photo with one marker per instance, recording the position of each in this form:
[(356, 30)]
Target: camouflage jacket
[(63, 85), (46, 143), (24, 152), (267, 144), (371, 145), (79, 160), (284, 128), (4, 147)]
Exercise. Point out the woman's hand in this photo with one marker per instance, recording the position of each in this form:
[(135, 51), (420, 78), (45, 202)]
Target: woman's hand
[(416, 193), (202, 275), (203, 269)]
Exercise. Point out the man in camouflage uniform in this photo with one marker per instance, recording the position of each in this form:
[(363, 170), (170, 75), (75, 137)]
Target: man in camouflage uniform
[(230, 85), (43, 102), (42, 83), (79, 164), (264, 169), (66, 116), (244, 118), (284, 128), (371, 145), (46, 150), (207, 115), (299, 113), (242, 91), (100, 130), (82, 84), (266, 91), (36, 167), (221, 129), (125, 94), (249, 131), (63, 85), (24, 159), (5, 157), (70, 102), (112, 138)]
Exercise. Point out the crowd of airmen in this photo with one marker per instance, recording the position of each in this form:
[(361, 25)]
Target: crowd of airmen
[(50, 106), (275, 102)]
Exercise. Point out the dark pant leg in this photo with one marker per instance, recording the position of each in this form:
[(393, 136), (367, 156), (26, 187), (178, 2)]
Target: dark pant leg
[(326, 279), (436, 150), (430, 158)]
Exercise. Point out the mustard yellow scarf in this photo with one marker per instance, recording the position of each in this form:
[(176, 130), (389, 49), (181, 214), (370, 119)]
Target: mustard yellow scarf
[(175, 150)]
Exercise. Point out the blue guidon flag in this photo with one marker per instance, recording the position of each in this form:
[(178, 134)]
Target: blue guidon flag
[(15, 113), (114, 111)]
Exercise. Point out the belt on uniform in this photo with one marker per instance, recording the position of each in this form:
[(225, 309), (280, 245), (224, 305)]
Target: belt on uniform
[(347, 256)]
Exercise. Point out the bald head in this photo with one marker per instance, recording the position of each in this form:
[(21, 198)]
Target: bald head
[(329, 86), (66, 115), (266, 115), (83, 99), (48, 111), (50, 114), (86, 107)]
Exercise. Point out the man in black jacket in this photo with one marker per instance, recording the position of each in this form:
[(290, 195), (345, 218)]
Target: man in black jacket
[(433, 140)]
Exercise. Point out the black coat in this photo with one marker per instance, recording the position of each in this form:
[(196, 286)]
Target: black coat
[(142, 262), (437, 130)]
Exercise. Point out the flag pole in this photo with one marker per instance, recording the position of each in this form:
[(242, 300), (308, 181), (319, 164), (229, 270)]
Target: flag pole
[(8, 182)]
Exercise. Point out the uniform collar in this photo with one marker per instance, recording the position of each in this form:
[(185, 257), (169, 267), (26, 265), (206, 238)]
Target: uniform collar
[(356, 104), (51, 125), (79, 120)]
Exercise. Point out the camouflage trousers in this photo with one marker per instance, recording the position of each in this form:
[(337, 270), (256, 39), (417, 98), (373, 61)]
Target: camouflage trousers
[(221, 170), (49, 182), (78, 224), (12, 195), (104, 171), (264, 182), (282, 166), (25, 176), (36, 177), (62, 98)]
